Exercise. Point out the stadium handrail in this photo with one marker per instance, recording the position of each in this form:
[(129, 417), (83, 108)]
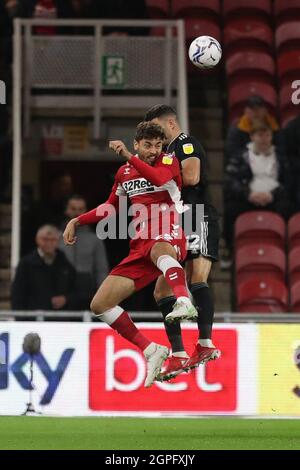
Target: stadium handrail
[(87, 316)]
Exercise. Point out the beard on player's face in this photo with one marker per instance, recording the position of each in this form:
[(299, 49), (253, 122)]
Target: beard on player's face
[(149, 151)]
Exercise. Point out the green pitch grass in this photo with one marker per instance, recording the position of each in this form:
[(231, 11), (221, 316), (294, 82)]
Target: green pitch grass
[(148, 434)]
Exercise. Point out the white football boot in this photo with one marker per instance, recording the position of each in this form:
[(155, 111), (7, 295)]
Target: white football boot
[(155, 355)]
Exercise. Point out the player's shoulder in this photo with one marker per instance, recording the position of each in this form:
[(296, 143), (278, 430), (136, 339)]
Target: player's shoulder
[(188, 145)]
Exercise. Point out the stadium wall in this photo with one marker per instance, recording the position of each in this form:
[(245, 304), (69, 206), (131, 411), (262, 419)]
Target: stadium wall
[(86, 369)]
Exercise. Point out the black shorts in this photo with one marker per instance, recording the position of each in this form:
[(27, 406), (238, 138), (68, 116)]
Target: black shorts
[(204, 242)]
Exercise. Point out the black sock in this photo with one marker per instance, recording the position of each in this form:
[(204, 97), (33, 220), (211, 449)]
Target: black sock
[(173, 330), (204, 302)]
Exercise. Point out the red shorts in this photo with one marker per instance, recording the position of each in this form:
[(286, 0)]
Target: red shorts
[(138, 265)]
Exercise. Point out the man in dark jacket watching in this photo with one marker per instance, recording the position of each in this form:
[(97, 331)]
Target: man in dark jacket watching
[(45, 280), (256, 178)]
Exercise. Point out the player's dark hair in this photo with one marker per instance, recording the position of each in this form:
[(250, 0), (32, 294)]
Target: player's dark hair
[(158, 111), (147, 130)]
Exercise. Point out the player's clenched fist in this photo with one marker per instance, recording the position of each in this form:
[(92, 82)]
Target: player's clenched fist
[(120, 148), (69, 233)]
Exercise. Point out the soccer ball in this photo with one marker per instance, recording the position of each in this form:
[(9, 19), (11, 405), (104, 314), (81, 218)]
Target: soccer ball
[(205, 52)]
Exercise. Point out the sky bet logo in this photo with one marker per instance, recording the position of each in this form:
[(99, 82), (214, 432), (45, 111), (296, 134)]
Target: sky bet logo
[(53, 377)]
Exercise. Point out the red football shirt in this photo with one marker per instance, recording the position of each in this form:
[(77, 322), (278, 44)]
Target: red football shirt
[(144, 184)]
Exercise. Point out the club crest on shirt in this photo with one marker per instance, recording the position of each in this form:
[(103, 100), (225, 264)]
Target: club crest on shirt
[(168, 159), (188, 148)]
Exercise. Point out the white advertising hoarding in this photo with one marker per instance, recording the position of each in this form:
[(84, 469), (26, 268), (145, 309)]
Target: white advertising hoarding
[(86, 369)]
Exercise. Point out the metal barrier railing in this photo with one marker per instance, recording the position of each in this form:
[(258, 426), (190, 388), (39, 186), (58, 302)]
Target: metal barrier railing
[(87, 316)]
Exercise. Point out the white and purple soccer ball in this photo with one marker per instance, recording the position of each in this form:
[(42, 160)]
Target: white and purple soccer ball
[(205, 52)]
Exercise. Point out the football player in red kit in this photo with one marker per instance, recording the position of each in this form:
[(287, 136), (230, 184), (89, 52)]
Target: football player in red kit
[(151, 180)]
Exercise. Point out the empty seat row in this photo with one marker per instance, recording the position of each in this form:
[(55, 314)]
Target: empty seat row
[(267, 226), (267, 295), (255, 258), (183, 8), (262, 295), (282, 10), (261, 266)]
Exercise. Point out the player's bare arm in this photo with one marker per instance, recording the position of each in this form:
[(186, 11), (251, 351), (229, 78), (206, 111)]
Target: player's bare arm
[(191, 171), (70, 230)]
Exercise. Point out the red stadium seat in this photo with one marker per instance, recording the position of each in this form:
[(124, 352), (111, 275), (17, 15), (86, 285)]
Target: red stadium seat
[(262, 295), (288, 64), (294, 231), (196, 8), (287, 36), (195, 27), (295, 297), (260, 258), (294, 265), (247, 7), (260, 226), (239, 93), (158, 8), (286, 10), (248, 32), (251, 63)]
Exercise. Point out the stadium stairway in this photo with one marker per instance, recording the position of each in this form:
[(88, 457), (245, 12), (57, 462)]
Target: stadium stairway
[(5, 246)]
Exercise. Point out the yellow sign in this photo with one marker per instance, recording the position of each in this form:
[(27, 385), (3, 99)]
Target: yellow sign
[(167, 160), (188, 148), (76, 139), (279, 370)]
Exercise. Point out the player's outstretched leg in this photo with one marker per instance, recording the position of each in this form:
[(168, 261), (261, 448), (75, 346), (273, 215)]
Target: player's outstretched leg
[(118, 288), (164, 256)]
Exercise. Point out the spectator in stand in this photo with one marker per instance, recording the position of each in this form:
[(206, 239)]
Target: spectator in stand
[(50, 210), (45, 280), (239, 135), (45, 9), (292, 145), (256, 178), (88, 256)]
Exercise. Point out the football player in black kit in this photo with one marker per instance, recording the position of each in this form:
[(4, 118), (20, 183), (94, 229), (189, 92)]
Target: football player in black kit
[(202, 248)]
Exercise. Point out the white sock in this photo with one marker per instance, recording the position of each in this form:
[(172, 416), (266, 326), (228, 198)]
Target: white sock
[(111, 315), (181, 354), (207, 343), (166, 262)]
